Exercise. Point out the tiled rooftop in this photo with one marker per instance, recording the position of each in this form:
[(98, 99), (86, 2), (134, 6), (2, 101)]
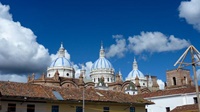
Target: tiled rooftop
[(166, 92), (186, 108), (14, 89)]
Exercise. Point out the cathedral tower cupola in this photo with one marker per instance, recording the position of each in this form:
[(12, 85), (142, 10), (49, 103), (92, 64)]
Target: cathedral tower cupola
[(61, 52), (62, 64), (102, 52), (102, 67), (137, 74), (135, 65)]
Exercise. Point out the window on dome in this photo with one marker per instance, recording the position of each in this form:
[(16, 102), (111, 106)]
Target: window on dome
[(94, 79), (108, 79), (49, 75), (67, 74), (144, 84)]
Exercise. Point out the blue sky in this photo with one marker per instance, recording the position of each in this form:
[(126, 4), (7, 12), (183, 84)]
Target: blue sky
[(155, 32)]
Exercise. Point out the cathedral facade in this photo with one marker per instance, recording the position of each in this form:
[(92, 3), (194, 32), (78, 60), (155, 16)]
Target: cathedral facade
[(102, 76)]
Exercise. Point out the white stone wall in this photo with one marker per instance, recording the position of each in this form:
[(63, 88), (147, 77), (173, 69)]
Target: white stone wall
[(171, 101)]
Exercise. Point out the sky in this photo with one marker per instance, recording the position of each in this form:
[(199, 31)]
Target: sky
[(155, 32)]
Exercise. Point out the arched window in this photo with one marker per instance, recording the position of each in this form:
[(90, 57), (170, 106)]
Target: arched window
[(108, 79), (174, 80), (185, 78), (67, 74)]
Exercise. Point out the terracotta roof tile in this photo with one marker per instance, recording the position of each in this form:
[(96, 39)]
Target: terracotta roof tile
[(166, 92), (21, 89), (186, 108), (36, 91)]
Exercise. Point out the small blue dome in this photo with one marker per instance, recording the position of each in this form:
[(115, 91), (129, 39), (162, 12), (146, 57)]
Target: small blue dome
[(134, 73), (102, 63), (61, 61)]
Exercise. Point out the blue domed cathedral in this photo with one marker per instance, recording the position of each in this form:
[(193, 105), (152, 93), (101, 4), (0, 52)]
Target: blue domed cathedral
[(61, 73)]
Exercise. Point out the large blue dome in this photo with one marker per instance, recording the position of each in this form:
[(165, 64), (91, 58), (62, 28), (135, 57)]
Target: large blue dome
[(61, 61), (102, 63)]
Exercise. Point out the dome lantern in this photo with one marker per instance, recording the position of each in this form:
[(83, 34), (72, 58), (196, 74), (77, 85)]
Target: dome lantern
[(61, 52), (102, 52)]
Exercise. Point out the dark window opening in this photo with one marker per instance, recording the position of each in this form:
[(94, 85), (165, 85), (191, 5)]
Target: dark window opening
[(143, 83), (108, 79), (79, 109), (167, 109), (67, 74), (55, 108), (195, 100), (30, 108), (106, 109), (11, 107), (174, 80), (146, 110), (132, 109), (49, 75)]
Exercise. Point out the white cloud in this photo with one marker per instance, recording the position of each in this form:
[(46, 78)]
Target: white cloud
[(117, 49), (4, 9), (198, 74), (14, 78), (190, 10), (117, 36), (161, 84), (19, 50), (155, 42), (87, 67)]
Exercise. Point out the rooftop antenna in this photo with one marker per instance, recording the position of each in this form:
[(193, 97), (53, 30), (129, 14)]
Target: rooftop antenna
[(194, 62)]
